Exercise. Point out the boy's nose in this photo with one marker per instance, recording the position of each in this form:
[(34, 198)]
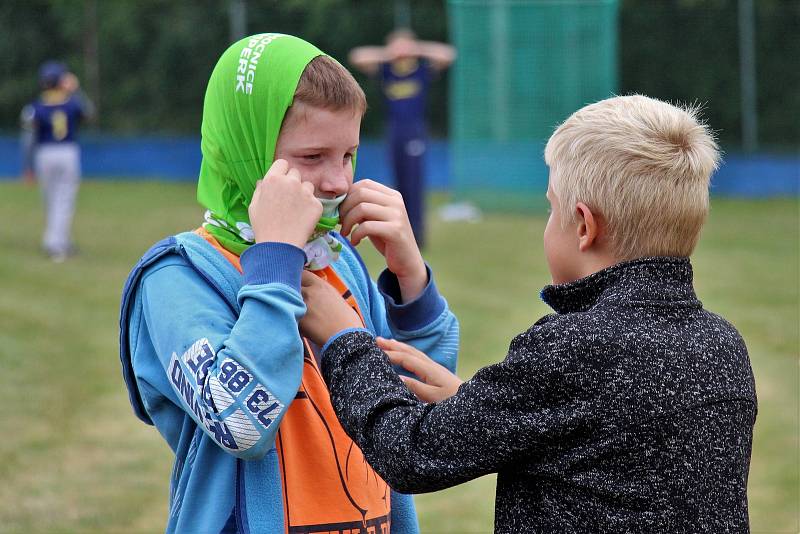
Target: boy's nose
[(335, 183)]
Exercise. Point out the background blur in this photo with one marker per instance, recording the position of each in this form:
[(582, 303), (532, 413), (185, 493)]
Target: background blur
[(524, 66), (75, 458)]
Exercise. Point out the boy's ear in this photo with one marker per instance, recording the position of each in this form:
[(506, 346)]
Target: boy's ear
[(588, 227)]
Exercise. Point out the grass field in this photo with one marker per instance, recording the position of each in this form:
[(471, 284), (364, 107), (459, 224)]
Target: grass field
[(75, 459)]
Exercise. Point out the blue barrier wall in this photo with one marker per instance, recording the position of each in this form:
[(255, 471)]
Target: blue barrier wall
[(178, 159)]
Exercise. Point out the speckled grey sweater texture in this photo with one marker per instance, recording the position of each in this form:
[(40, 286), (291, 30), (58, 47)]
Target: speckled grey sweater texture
[(630, 409)]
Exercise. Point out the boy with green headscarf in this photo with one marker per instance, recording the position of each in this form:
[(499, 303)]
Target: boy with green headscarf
[(210, 346)]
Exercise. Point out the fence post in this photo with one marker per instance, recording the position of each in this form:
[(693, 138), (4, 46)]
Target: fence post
[(747, 75), (237, 14)]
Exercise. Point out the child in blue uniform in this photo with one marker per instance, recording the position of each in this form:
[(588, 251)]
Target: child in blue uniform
[(405, 67), (51, 152)]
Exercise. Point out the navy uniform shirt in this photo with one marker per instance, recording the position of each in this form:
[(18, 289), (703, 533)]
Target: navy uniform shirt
[(55, 119), (405, 88)]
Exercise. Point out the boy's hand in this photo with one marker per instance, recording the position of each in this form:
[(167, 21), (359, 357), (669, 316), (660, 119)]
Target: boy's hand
[(436, 382), (284, 209), (380, 214), (328, 313)]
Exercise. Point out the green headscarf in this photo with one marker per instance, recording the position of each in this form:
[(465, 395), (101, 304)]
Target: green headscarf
[(251, 88)]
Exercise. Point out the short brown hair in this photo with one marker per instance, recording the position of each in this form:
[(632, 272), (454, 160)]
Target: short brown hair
[(328, 85), (644, 165)]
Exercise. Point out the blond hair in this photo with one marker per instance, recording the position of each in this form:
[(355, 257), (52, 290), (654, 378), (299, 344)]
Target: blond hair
[(328, 85), (643, 165)]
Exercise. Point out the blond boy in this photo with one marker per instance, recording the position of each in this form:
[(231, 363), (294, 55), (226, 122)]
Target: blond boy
[(631, 408)]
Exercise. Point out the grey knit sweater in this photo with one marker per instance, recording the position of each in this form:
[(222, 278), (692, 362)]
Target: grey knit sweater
[(630, 409)]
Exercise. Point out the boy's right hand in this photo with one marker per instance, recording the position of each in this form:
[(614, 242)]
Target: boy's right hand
[(284, 208), (435, 382)]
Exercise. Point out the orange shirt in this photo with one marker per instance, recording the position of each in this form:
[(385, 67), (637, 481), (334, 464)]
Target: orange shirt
[(327, 484)]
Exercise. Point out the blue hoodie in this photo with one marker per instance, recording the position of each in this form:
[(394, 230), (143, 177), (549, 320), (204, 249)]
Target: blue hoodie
[(213, 358)]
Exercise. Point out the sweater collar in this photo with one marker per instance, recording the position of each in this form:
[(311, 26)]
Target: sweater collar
[(644, 279)]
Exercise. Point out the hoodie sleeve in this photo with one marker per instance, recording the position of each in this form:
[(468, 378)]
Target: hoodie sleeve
[(426, 322), (234, 375), (27, 136)]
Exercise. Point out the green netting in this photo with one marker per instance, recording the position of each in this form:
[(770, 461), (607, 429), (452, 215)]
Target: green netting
[(522, 68)]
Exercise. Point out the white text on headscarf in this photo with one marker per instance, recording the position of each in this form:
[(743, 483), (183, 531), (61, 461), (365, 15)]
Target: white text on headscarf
[(248, 61)]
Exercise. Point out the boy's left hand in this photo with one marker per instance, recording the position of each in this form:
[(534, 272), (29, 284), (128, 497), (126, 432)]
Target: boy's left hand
[(436, 383), (380, 214), (327, 312)]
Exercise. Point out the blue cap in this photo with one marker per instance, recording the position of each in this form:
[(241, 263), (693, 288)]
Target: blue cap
[(51, 72)]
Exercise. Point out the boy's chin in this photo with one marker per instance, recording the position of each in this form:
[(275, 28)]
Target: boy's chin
[(566, 276)]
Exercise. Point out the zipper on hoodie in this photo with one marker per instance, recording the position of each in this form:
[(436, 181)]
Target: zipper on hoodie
[(241, 507)]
